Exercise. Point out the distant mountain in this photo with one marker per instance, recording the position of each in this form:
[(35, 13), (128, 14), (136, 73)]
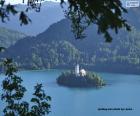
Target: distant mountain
[(57, 48), (9, 37), (133, 17), (50, 13)]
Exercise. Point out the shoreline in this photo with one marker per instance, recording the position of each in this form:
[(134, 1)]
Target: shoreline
[(98, 72)]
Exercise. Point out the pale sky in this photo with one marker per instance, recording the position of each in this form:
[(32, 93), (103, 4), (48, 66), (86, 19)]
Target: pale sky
[(20, 1)]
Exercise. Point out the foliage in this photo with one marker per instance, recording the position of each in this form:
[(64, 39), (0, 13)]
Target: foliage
[(9, 37), (44, 55), (40, 100), (106, 14), (13, 92), (70, 79), (1, 49), (55, 48)]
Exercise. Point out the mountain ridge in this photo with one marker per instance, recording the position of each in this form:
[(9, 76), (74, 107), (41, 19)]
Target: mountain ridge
[(57, 48), (40, 22)]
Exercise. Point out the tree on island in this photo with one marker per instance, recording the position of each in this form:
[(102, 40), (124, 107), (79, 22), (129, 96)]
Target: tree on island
[(80, 78), (106, 14)]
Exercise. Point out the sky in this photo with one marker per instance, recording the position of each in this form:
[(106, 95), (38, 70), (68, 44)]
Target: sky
[(25, 1), (20, 1)]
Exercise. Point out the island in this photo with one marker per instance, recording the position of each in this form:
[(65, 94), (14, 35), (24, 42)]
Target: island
[(80, 78)]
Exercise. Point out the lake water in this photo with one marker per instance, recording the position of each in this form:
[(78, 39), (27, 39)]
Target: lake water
[(122, 91)]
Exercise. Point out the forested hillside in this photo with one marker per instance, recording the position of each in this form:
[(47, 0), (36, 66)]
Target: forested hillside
[(57, 48), (9, 37)]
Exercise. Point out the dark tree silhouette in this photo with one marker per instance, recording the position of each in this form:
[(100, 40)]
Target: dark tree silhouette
[(106, 14), (13, 92)]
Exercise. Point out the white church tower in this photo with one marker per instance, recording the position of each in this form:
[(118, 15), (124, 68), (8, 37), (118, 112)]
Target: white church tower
[(77, 70)]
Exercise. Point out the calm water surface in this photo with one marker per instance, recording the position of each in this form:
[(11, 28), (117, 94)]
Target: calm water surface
[(122, 91)]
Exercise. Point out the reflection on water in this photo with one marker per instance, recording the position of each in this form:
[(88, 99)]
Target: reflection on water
[(122, 91)]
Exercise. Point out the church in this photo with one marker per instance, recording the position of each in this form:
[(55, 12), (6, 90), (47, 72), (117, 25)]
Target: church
[(79, 72)]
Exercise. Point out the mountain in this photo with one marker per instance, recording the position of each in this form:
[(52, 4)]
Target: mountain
[(50, 13), (57, 48), (9, 37), (133, 17)]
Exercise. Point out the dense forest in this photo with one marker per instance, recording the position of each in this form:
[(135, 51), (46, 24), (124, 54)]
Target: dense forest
[(9, 37), (57, 48)]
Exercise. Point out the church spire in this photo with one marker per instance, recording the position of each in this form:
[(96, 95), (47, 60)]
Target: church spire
[(77, 70)]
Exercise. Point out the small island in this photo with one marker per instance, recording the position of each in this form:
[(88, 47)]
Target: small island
[(80, 78)]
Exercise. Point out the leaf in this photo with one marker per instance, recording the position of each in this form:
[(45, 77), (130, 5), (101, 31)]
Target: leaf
[(35, 100), (1, 49), (24, 19)]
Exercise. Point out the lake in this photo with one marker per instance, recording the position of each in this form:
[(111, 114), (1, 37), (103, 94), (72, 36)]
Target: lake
[(121, 91)]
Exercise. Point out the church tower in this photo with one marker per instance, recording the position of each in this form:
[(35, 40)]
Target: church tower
[(77, 70)]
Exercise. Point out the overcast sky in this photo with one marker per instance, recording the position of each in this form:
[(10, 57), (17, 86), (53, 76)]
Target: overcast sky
[(20, 1)]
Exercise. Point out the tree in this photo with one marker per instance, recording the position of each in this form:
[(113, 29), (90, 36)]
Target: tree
[(106, 14), (13, 92)]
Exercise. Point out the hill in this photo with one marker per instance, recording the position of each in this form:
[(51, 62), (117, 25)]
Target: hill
[(9, 37), (50, 13), (57, 48)]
